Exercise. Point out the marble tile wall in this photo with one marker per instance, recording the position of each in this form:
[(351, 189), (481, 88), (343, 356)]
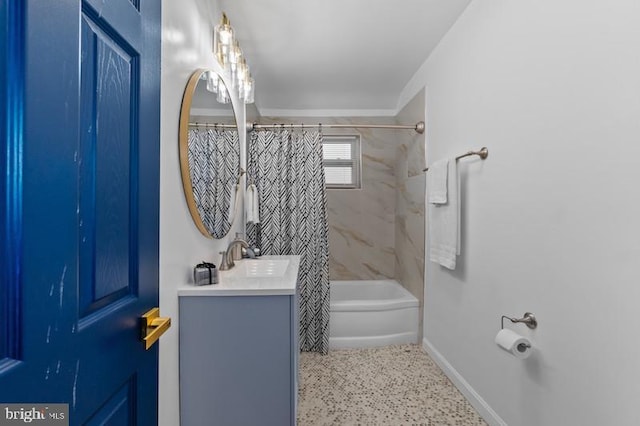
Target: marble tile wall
[(362, 221), (409, 245)]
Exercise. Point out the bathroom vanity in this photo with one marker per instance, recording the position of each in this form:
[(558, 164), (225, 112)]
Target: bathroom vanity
[(239, 346)]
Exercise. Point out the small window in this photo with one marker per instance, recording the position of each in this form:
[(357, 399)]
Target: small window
[(341, 160)]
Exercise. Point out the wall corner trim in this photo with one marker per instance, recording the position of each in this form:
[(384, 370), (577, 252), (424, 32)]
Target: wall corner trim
[(485, 411)]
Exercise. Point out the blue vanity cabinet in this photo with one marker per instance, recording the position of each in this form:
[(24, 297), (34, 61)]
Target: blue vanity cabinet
[(238, 359)]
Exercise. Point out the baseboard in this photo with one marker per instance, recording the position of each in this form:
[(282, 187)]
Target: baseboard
[(463, 386)]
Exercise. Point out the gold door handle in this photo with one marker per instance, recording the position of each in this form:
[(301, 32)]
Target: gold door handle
[(153, 326)]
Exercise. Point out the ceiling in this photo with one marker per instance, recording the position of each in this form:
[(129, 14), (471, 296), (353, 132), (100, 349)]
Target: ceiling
[(313, 56)]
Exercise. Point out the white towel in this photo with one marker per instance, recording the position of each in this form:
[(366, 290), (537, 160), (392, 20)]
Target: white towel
[(444, 223), (232, 202), (437, 182), (251, 204)]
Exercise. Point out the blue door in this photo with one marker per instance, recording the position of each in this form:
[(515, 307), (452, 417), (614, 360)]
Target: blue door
[(79, 181)]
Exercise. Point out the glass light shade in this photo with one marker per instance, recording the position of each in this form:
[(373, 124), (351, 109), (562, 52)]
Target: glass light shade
[(219, 57), (223, 52), (223, 40), (212, 82), (247, 90), (238, 76), (224, 35), (235, 53), (233, 58), (234, 76), (242, 71), (223, 95), (241, 84)]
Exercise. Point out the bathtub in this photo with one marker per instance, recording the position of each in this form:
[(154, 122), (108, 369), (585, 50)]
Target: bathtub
[(365, 314)]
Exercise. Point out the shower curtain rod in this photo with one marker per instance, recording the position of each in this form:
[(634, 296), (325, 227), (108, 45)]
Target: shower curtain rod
[(418, 127)]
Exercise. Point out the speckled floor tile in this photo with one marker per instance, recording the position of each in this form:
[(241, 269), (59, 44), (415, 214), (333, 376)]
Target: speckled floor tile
[(393, 385)]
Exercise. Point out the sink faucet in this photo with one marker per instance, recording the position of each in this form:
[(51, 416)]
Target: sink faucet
[(228, 256)]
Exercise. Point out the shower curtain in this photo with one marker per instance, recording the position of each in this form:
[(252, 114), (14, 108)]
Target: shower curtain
[(214, 165), (286, 167)]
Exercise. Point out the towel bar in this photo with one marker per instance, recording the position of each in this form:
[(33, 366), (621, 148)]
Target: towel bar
[(483, 153)]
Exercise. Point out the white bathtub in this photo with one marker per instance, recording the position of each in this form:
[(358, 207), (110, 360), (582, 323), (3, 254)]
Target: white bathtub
[(367, 314)]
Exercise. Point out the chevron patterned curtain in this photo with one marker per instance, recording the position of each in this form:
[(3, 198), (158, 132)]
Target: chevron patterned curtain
[(214, 165), (286, 167)]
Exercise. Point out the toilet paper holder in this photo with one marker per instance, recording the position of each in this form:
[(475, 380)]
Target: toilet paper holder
[(528, 319)]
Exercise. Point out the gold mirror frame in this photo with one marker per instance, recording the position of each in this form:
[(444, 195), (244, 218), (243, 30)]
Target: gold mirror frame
[(183, 138)]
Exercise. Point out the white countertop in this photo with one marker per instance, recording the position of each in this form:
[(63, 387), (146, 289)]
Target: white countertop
[(234, 283)]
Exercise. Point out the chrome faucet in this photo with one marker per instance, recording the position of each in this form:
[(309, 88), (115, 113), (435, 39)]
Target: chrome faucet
[(228, 256)]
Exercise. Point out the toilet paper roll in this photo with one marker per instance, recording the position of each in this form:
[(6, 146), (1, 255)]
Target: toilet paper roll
[(515, 344)]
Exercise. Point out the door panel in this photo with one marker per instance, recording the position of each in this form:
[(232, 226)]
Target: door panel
[(108, 144), (118, 409), (10, 215), (4, 302), (79, 266)]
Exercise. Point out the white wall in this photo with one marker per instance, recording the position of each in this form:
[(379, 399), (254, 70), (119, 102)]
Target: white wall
[(550, 219), (187, 31)]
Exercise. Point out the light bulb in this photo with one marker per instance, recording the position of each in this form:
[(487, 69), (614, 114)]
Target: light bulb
[(225, 35)]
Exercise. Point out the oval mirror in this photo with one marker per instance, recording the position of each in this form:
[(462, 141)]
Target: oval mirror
[(209, 153)]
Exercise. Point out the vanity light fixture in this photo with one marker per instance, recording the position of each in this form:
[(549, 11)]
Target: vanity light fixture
[(227, 51)]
